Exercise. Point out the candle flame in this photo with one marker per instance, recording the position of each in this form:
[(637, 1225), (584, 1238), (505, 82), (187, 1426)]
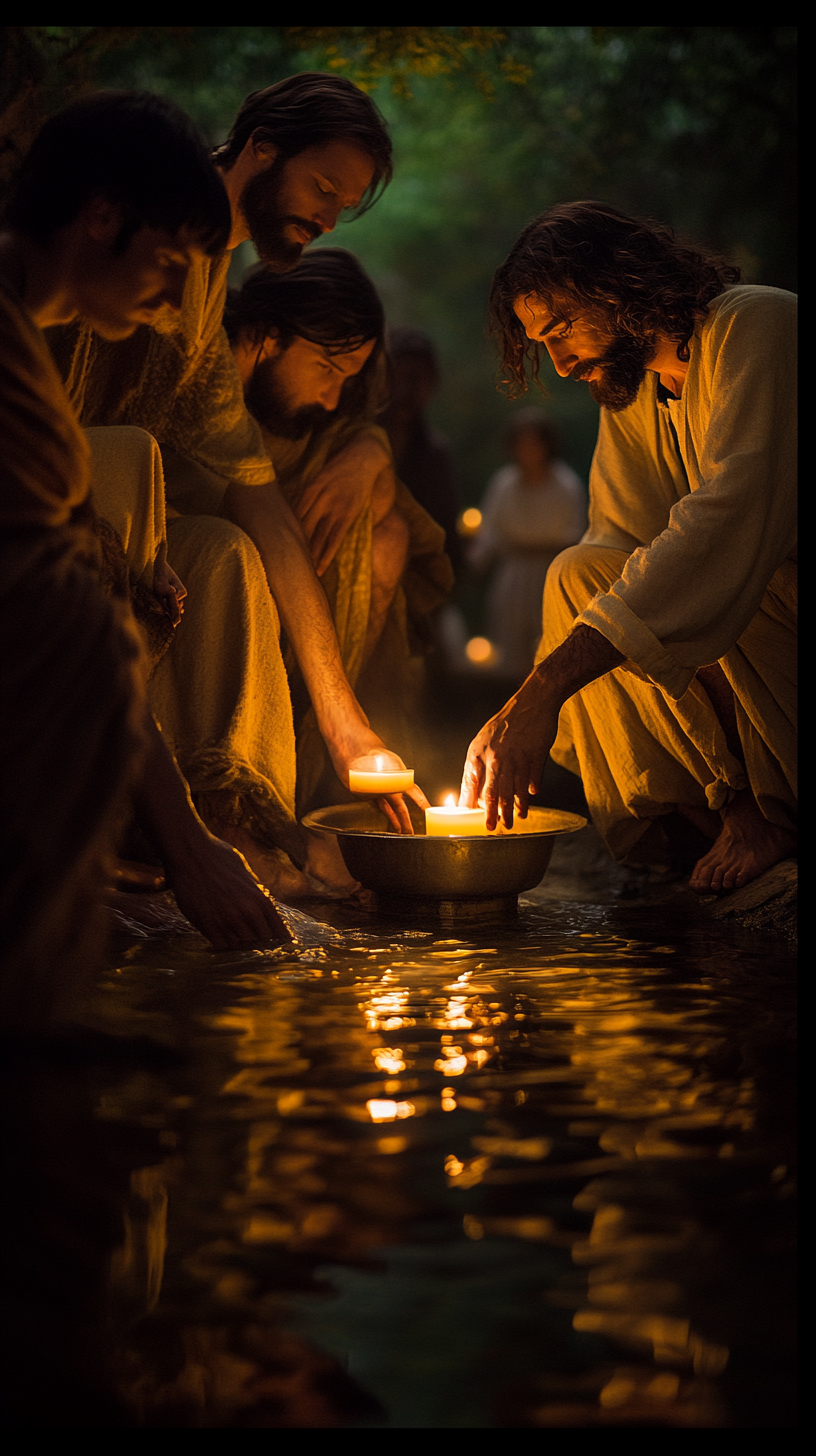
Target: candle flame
[(450, 802), (379, 763)]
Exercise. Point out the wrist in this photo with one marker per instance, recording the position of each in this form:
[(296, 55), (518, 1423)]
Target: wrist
[(543, 689)]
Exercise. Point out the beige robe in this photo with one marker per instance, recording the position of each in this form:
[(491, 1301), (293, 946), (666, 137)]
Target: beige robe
[(690, 559), (220, 692), (387, 687), (176, 379)]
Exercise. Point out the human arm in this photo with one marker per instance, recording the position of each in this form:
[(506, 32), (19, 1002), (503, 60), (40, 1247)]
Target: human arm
[(212, 883), (360, 475), (306, 619), (695, 578), (506, 759)]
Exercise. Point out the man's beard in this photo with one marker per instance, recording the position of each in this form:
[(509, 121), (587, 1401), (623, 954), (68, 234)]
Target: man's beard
[(267, 224), (623, 367), (267, 400)]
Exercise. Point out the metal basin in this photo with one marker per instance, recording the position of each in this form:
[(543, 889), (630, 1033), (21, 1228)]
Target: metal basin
[(460, 876)]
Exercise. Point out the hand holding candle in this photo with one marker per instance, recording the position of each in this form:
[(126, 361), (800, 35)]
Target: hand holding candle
[(380, 773)]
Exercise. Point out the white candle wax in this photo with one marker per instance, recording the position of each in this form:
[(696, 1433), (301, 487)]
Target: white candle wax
[(390, 781), (449, 819)]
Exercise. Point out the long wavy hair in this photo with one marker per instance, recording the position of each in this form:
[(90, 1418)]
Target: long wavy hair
[(632, 270)]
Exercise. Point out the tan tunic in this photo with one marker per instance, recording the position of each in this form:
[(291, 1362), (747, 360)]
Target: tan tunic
[(44, 461), (708, 526), (176, 379), (690, 559)]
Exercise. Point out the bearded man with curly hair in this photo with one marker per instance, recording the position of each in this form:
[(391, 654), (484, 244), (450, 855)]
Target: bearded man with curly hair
[(666, 674)]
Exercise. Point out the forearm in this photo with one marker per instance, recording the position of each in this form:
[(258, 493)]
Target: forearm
[(582, 657), (163, 801), (302, 606), (506, 759), (213, 885)]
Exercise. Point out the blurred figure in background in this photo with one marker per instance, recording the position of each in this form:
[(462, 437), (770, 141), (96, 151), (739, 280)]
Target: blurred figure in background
[(423, 457), (532, 510)]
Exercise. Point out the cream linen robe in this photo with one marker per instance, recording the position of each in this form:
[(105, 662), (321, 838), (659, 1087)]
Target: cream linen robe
[(231, 731), (221, 692), (689, 560)]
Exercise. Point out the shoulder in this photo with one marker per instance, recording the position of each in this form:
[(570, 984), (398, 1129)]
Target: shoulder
[(750, 311)]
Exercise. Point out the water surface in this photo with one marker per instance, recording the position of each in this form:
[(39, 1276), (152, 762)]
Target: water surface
[(531, 1175)]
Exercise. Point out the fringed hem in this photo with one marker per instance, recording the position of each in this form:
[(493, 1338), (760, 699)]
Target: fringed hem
[(231, 793)]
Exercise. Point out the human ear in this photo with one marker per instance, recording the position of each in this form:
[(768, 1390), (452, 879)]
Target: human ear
[(264, 151), (269, 348)]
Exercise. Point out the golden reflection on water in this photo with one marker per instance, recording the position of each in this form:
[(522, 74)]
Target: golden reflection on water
[(546, 1107)]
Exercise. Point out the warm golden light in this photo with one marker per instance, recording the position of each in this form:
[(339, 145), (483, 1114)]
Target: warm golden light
[(382, 1110), (389, 1059), (449, 818), (379, 773), (469, 521), (480, 650)]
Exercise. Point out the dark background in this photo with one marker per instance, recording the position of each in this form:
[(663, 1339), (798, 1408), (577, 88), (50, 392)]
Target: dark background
[(693, 125)]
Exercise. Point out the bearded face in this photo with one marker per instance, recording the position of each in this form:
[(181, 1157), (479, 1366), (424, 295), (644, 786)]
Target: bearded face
[(587, 343), (622, 367), (270, 399), (273, 228)]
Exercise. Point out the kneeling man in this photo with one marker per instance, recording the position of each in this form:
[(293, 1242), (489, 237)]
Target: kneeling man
[(310, 349), (669, 646)]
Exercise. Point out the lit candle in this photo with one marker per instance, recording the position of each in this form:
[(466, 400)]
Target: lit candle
[(449, 818), (378, 773)]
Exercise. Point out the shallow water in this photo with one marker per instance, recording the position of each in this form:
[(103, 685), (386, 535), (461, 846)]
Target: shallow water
[(530, 1175)]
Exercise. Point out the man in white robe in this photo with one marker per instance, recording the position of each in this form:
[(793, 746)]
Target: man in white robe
[(669, 646)]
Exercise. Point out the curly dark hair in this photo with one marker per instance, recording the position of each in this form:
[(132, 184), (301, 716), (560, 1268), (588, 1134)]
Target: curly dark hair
[(631, 269)]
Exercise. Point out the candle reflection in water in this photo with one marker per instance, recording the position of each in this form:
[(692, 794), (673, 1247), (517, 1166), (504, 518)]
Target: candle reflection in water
[(553, 1104)]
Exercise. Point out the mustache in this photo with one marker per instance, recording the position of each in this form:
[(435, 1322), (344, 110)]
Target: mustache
[(586, 366), (311, 228)]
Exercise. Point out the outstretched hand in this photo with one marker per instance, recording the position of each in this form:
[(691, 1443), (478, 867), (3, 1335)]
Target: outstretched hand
[(218, 892), (344, 488), (506, 759)]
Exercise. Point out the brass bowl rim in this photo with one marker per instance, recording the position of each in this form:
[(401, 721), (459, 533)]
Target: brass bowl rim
[(313, 820)]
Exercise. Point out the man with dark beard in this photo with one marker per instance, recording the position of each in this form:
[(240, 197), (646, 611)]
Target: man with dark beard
[(299, 154), (310, 349), (669, 646)]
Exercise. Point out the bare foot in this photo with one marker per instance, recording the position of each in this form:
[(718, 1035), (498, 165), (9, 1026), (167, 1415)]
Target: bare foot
[(747, 846), (272, 866), (326, 867)]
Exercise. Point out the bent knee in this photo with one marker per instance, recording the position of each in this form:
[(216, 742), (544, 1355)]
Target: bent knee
[(208, 544), (578, 574)]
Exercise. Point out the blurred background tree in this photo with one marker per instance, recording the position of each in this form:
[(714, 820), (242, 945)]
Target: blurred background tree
[(693, 125)]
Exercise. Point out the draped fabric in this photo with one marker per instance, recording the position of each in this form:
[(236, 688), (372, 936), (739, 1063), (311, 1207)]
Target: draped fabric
[(220, 692), (690, 559), (387, 687), (175, 378), (700, 492)]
